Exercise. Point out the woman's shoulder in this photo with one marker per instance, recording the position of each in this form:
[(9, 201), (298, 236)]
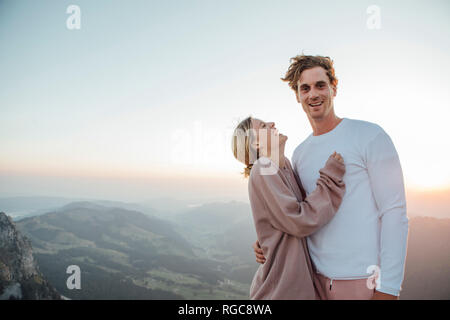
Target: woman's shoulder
[(263, 168)]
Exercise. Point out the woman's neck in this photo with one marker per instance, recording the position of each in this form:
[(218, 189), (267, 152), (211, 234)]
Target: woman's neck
[(279, 157)]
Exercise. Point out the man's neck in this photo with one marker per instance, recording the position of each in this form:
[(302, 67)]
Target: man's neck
[(322, 126)]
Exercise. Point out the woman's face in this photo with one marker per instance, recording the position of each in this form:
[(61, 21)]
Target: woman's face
[(268, 139)]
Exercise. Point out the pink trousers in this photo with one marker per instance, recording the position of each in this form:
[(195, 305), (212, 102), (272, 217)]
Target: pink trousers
[(327, 289)]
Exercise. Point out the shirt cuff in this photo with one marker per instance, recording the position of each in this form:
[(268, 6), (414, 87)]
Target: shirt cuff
[(391, 291)]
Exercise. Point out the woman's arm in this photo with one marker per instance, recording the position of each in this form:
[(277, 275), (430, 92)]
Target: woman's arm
[(296, 218)]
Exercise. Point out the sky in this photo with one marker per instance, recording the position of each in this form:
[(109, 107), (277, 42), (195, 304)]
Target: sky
[(141, 100)]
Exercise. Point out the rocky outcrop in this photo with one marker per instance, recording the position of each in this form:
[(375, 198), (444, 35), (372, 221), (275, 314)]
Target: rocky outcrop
[(20, 277)]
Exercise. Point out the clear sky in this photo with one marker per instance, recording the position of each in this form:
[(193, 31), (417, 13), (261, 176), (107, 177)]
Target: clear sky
[(140, 102)]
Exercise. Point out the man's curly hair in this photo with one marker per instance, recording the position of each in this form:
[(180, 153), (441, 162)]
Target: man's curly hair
[(302, 62)]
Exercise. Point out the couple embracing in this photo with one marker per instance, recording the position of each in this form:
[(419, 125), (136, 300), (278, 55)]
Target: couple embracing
[(332, 223)]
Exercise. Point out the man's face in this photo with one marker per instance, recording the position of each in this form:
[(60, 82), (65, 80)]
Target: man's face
[(315, 93)]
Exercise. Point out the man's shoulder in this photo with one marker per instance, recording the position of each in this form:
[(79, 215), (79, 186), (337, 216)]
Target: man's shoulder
[(364, 125), (364, 129), (301, 146)]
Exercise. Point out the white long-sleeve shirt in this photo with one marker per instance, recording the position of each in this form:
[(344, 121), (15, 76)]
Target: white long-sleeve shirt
[(370, 229)]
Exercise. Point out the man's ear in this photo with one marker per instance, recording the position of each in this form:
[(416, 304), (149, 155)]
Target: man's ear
[(297, 96), (334, 91)]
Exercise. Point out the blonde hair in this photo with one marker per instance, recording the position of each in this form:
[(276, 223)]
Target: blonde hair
[(241, 145)]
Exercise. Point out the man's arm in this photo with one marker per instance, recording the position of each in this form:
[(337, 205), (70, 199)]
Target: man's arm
[(386, 179)]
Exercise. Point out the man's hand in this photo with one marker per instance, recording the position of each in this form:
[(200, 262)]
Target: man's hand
[(383, 296), (258, 253)]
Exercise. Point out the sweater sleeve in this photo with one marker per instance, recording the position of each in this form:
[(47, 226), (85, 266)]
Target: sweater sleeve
[(386, 179), (303, 218)]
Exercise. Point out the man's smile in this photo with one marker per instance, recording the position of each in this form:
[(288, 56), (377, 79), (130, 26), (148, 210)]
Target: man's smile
[(317, 104)]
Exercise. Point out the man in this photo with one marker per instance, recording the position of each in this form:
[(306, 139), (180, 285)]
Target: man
[(369, 232)]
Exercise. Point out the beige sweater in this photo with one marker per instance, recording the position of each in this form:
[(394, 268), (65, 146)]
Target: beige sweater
[(283, 217)]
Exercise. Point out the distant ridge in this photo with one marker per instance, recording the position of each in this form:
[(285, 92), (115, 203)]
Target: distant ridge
[(83, 204), (123, 254)]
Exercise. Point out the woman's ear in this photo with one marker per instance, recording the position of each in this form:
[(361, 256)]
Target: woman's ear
[(255, 145)]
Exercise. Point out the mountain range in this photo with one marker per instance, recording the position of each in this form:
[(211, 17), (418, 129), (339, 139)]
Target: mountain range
[(124, 254), (199, 252)]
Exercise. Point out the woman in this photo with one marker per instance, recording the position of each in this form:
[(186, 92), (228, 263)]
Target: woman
[(283, 216)]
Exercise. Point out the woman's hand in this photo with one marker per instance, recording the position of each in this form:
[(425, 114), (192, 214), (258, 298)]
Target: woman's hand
[(338, 157)]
